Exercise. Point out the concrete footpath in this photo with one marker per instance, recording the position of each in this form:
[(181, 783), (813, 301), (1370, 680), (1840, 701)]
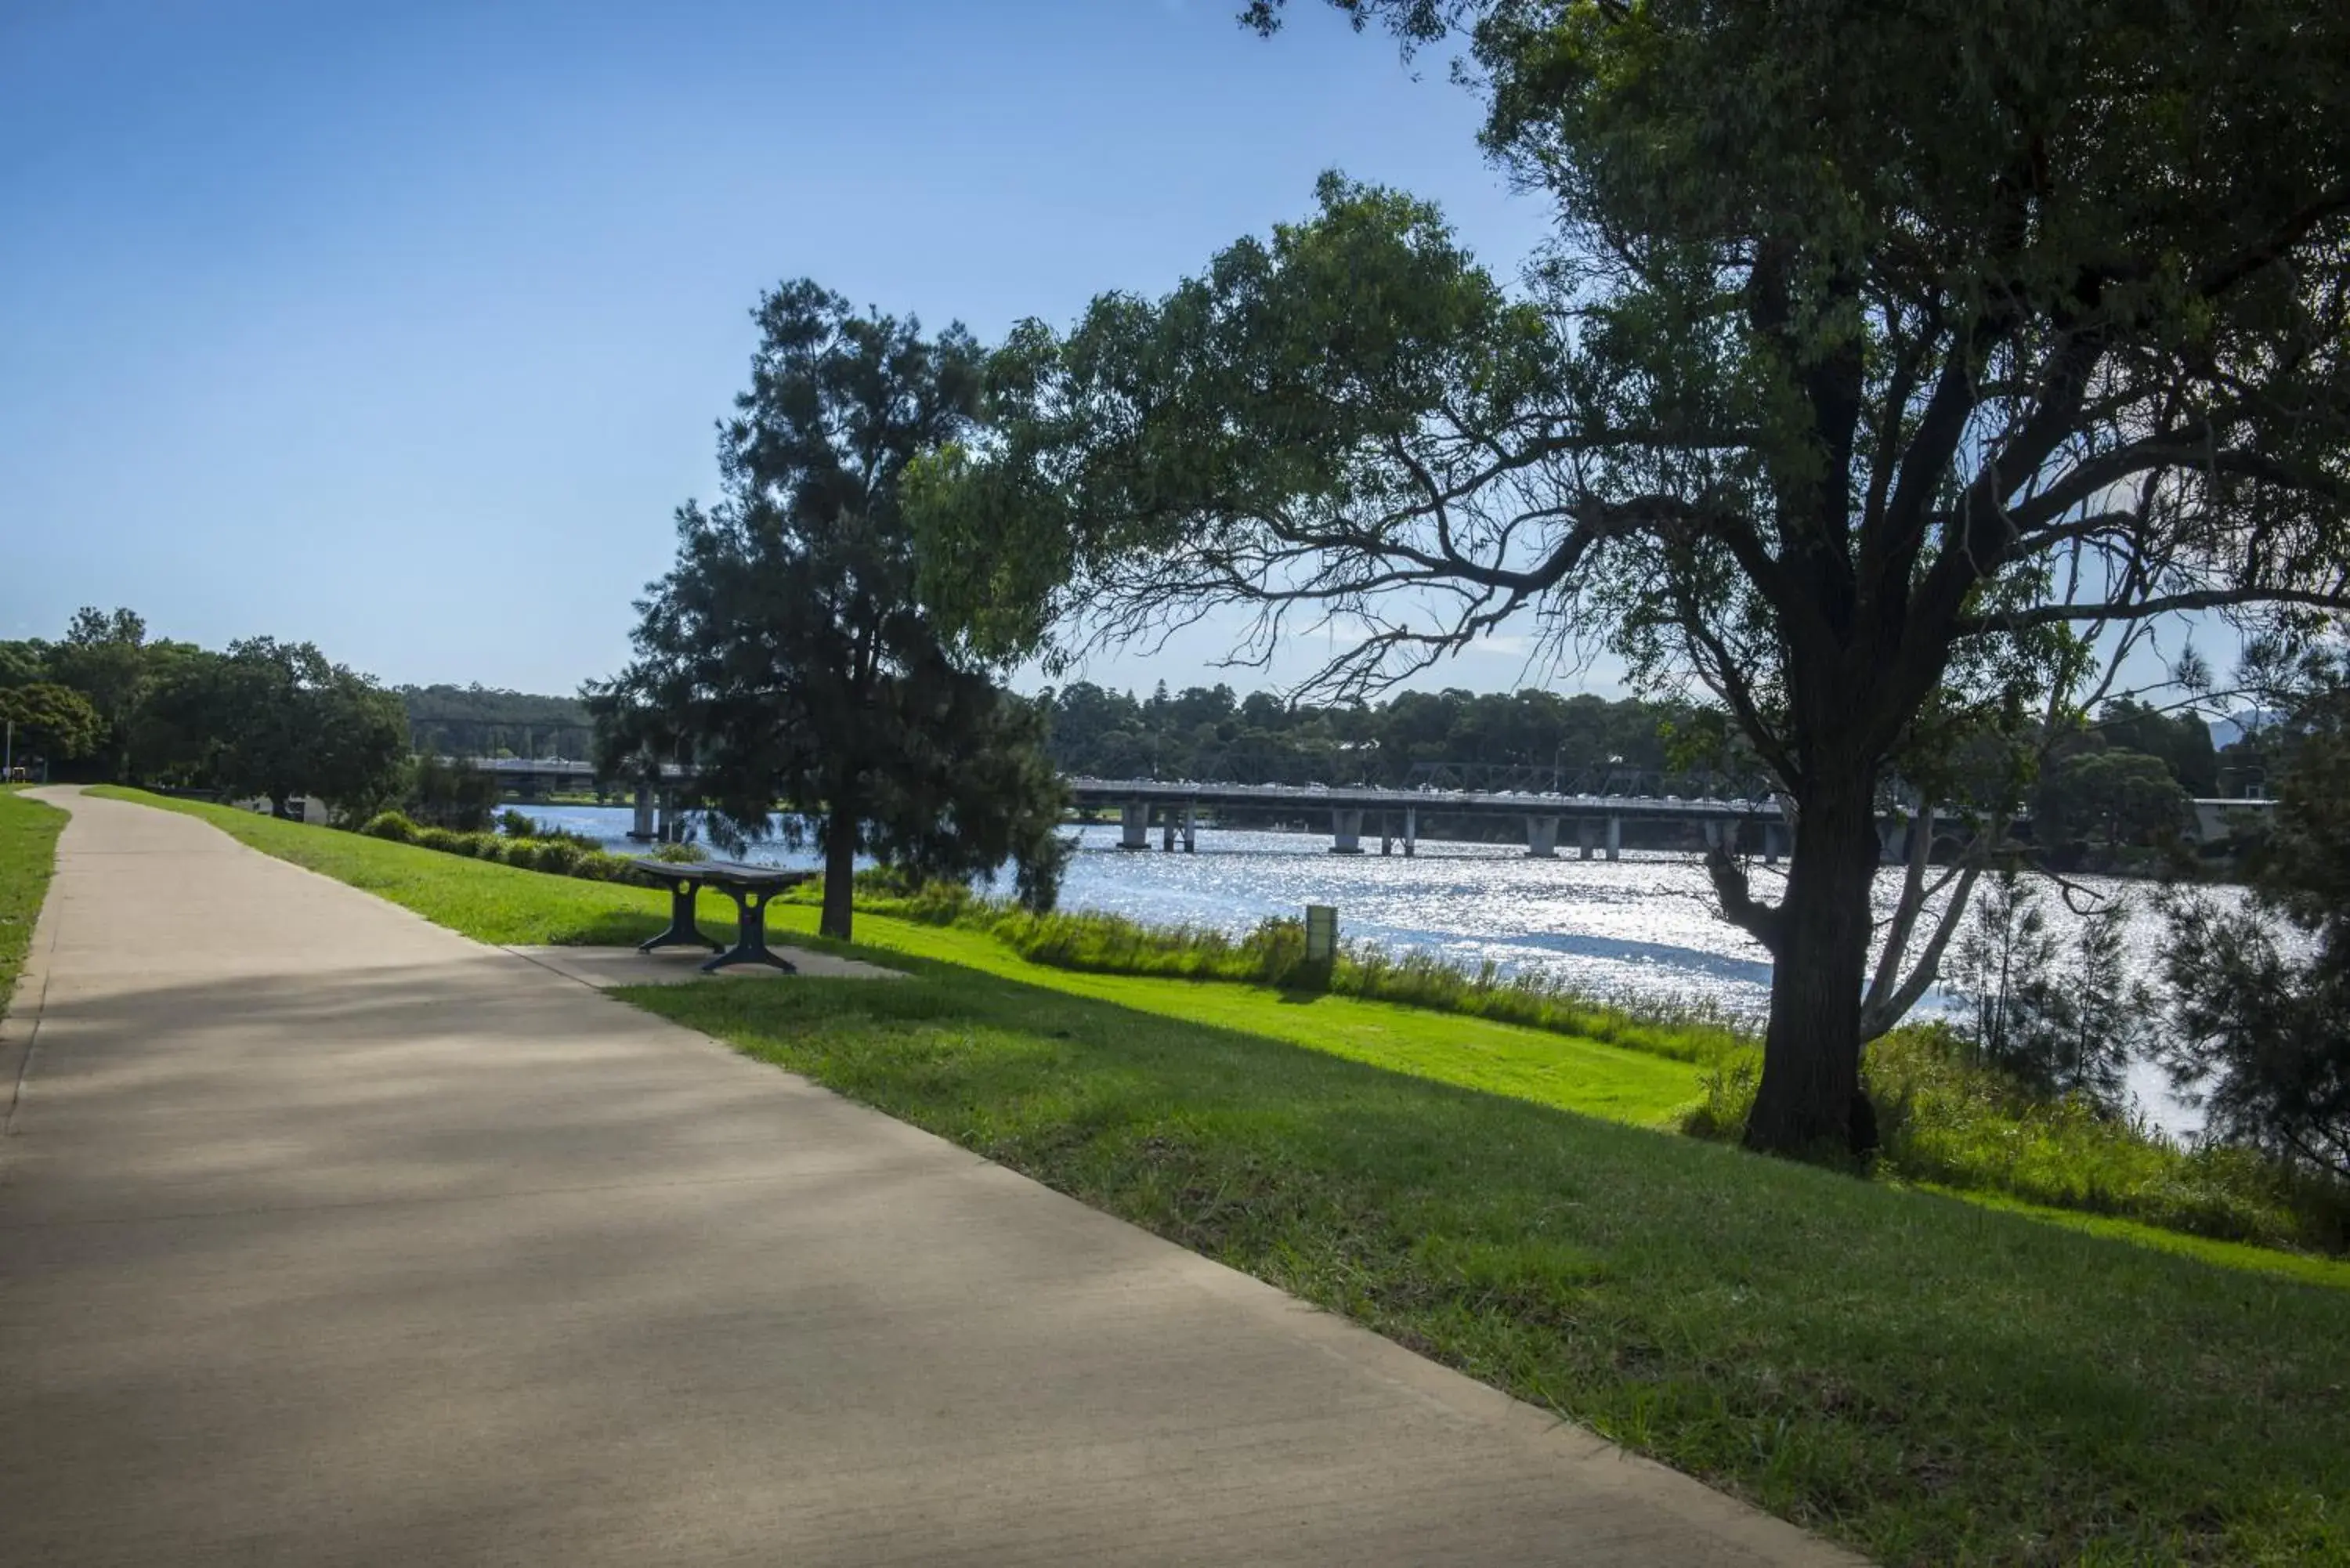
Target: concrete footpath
[(330, 1237)]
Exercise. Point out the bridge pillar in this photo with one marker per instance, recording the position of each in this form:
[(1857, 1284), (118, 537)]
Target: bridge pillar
[(1348, 838), (1892, 840), (641, 827), (1166, 830), (1190, 829), (1583, 831), (1772, 834), (1133, 825), (1615, 838), (1387, 833), (1541, 837), (1712, 833), (1411, 830)]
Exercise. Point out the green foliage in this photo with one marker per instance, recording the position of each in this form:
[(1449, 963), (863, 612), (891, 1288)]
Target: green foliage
[(392, 824), (51, 721), (451, 796), (2111, 798), (560, 854), (2067, 1022), (680, 853), (23, 661), (279, 720), (2183, 742), (2264, 1032), (788, 652), (517, 823)]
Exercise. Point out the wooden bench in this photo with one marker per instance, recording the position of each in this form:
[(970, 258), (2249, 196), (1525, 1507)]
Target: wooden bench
[(752, 888)]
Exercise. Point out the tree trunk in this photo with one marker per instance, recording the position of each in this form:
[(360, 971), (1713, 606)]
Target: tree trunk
[(839, 875), (1809, 1103)]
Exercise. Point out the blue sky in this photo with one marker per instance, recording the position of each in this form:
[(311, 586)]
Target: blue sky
[(404, 328)]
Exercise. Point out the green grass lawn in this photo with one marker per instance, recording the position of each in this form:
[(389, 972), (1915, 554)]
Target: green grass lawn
[(1931, 1380), (28, 844)]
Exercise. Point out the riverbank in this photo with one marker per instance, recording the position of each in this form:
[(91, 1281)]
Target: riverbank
[(1928, 1380), (1946, 1125)]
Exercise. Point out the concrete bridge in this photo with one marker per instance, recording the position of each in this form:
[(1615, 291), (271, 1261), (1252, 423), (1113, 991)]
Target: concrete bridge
[(1593, 823)]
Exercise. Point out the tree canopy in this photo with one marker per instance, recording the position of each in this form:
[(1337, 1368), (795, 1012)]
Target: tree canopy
[(280, 719), (53, 723), (1891, 361), (787, 656)]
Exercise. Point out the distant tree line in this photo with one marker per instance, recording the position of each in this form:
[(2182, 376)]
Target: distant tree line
[(1210, 734), (479, 721), (260, 718)]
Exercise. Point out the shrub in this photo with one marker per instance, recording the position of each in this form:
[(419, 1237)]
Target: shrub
[(558, 856), (517, 823), (390, 825), (679, 854), (447, 795)]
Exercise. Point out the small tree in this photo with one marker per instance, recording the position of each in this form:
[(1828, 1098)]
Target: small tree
[(2063, 1019), (2112, 798), (2263, 1031), (52, 722), (452, 794), (787, 656)]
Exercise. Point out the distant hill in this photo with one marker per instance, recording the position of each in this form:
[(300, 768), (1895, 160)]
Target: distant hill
[(2227, 731), (483, 722)]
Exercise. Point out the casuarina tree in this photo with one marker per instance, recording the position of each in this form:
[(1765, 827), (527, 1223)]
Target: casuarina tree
[(1889, 355), (787, 659), (2262, 1035)]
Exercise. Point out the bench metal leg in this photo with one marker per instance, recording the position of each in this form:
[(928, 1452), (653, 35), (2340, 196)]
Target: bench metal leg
[(683, 931), (750, 935)]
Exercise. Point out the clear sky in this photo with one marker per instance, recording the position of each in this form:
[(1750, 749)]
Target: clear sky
[(404, 328)]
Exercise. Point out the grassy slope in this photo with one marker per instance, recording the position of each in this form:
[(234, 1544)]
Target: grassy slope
[(500, 904), (28, 840), (1932, 1381)]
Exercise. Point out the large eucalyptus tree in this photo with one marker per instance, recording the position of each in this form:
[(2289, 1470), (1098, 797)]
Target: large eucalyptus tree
[(1891, 353)]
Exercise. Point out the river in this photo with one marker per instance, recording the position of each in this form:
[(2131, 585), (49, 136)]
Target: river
[(1642, 927)]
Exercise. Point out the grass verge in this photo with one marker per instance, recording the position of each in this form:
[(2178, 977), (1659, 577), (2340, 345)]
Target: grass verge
[(29, 851), (501, 904), (1928, 1380)]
